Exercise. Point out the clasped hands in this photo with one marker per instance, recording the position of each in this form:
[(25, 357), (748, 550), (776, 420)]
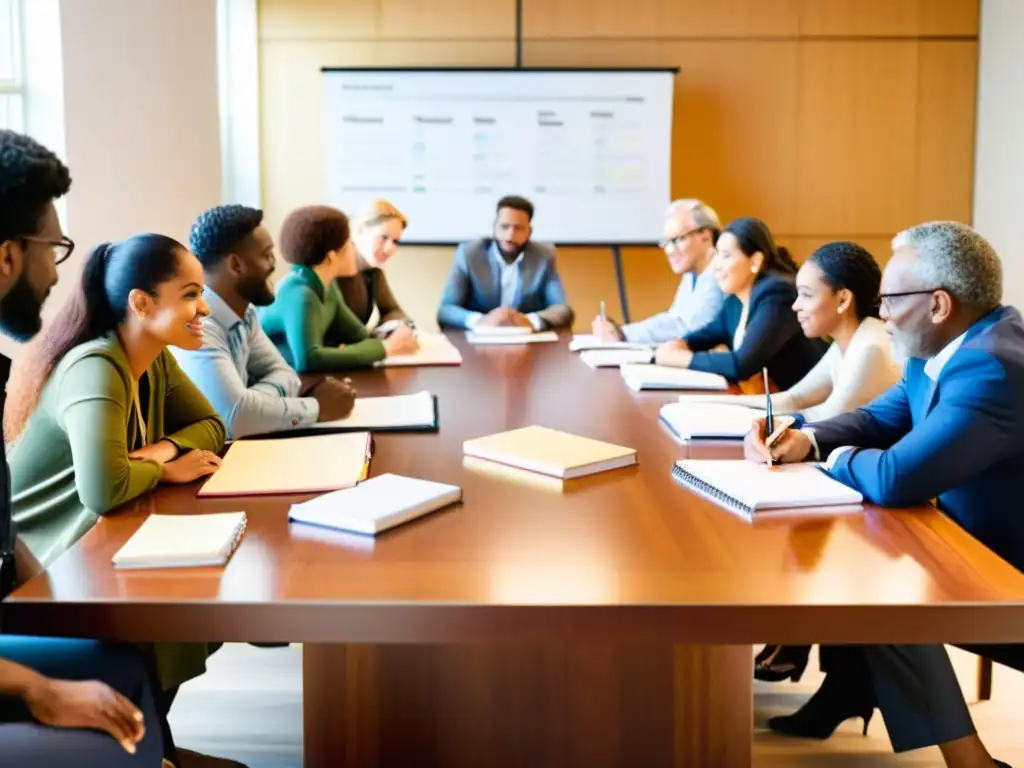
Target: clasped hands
[(504, 317), (174, 468)]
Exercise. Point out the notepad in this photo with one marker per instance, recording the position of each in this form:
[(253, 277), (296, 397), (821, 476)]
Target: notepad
[(182, 541), (376, 505), (550, 452), (708, 421), (313, 464), (584, 341), (379, 414), (435, 349), (614, 358), (530, 338), (753, 403), (749, 488), (639, 377)]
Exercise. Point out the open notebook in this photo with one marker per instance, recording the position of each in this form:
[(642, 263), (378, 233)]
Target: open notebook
[(584, 341), (312, 464), (435, 349), (182, 541), (708, 421), (638, 377), (750, 488), (478, 337), (614, 358), (381, 414), (550, 452), (376, 505)]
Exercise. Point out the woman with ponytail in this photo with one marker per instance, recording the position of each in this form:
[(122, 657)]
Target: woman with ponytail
[(99, 411), (756, 326)]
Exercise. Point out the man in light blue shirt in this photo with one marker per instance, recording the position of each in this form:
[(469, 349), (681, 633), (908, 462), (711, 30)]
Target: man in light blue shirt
[(506, 280), (238, 368), (691, 229)]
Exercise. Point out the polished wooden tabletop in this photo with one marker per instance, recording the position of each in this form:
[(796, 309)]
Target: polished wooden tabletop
[(626, 554)]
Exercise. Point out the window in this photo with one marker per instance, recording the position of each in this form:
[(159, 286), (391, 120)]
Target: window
[(12, 82)]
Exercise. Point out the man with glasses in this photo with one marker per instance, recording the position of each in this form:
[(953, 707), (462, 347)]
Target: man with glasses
[(951, 430), (691, 229), (62, 702)]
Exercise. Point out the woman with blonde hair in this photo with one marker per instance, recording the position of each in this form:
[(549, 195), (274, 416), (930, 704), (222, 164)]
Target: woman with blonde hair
[(376, 234)]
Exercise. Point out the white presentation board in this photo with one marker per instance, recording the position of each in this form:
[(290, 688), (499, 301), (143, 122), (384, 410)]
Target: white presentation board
[(590, 149)]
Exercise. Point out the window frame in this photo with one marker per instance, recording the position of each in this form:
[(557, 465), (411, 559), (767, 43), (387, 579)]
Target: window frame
[(15, 87)]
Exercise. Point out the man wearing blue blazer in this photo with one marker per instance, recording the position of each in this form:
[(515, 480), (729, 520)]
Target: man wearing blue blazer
[(951, 430), (505, 280)]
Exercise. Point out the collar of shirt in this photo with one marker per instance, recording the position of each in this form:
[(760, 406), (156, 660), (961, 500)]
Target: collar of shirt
[(499, 259), (224, 315), (934, 366)]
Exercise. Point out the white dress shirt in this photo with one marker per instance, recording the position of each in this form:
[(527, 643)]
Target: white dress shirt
[(510, 279), (696, 304)]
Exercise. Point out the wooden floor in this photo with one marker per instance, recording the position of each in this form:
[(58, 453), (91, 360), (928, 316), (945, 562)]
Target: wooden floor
[(249, 707)]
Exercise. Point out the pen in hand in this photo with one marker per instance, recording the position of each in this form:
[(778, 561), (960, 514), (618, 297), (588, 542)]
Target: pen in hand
[(604, 314), (769, 418)]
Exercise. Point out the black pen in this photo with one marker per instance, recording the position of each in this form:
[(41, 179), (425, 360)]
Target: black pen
[(769, 419)]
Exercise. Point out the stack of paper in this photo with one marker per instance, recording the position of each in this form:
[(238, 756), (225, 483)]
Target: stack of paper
[(550, 452), (478, 337), (182, 541), (584, 341), (376, 505), (435, 349), (710, 421), (614, 358), (749, 488), (291, 465), (638, 377), (503, 330), (378, 414)]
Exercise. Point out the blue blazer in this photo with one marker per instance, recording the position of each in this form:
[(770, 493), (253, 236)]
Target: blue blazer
[(474, 285), (773, 337), (960, 439)]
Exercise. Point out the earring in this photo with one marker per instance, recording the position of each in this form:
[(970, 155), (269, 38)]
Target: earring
[(753, 270), (841, 310)]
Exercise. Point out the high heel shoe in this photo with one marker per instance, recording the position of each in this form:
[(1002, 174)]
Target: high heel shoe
[(779, 662), (835, 701)]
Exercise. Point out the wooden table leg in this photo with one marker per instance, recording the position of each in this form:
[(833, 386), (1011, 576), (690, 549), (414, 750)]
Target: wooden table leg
[(547, 706)]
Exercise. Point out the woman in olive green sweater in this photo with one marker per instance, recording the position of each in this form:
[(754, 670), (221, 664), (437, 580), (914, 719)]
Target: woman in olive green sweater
[(309, 321), (100, 411)]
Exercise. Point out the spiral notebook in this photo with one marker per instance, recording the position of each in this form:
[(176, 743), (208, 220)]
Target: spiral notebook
[(751, 489), (182, 541)]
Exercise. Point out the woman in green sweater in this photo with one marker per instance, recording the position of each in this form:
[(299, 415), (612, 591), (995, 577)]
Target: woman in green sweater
[(101, 412), (309, 320)]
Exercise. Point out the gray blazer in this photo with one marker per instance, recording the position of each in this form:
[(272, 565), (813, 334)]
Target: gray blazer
[(474, 286)]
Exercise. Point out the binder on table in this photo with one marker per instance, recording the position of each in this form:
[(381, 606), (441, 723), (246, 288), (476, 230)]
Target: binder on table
[(182, 541), (376, 505), (550, 452), (750, 489), (395, 413)]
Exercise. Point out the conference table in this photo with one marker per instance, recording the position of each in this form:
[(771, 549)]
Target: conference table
[(603, 621)]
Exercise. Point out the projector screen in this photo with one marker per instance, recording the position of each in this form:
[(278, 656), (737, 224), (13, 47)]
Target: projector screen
[(589, 148)]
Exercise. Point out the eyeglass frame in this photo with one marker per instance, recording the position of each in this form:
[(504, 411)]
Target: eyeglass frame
[(897, 294), (677, 242), (64, 242)]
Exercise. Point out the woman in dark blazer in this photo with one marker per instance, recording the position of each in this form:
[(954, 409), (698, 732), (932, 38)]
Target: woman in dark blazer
[(756, 324)]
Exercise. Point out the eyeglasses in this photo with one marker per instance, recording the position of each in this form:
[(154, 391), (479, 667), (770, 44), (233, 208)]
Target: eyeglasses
[(62, 248), (675, 243), (883, 298)]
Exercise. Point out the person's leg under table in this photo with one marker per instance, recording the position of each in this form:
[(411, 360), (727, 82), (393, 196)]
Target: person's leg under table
[(550, 705), (27, 744)]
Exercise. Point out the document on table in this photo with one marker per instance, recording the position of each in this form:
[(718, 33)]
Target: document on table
[(397, 412), (525, 338), (584, 341), (615, 358), (435, 349), (708, 421), (639, 377)]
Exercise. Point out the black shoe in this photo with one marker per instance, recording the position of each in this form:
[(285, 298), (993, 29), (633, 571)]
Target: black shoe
[(780, 662), (840, 697)]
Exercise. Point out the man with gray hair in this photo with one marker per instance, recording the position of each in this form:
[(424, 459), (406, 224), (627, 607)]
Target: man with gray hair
[(951, 430), (691, 229)]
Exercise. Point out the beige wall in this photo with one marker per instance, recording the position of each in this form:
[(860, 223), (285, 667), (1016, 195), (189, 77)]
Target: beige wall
[(828, 118), (999, 197)]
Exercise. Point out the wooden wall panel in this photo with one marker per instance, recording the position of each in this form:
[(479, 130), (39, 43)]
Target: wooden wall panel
[(614, 19), (947, 83), (650, 282), (801, 246), (303, 20), (734, 122), (888, 18), (448, 19), (856, 135)]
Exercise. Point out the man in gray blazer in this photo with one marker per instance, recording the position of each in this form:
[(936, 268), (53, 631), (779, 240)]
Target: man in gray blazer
[(506, 280)]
